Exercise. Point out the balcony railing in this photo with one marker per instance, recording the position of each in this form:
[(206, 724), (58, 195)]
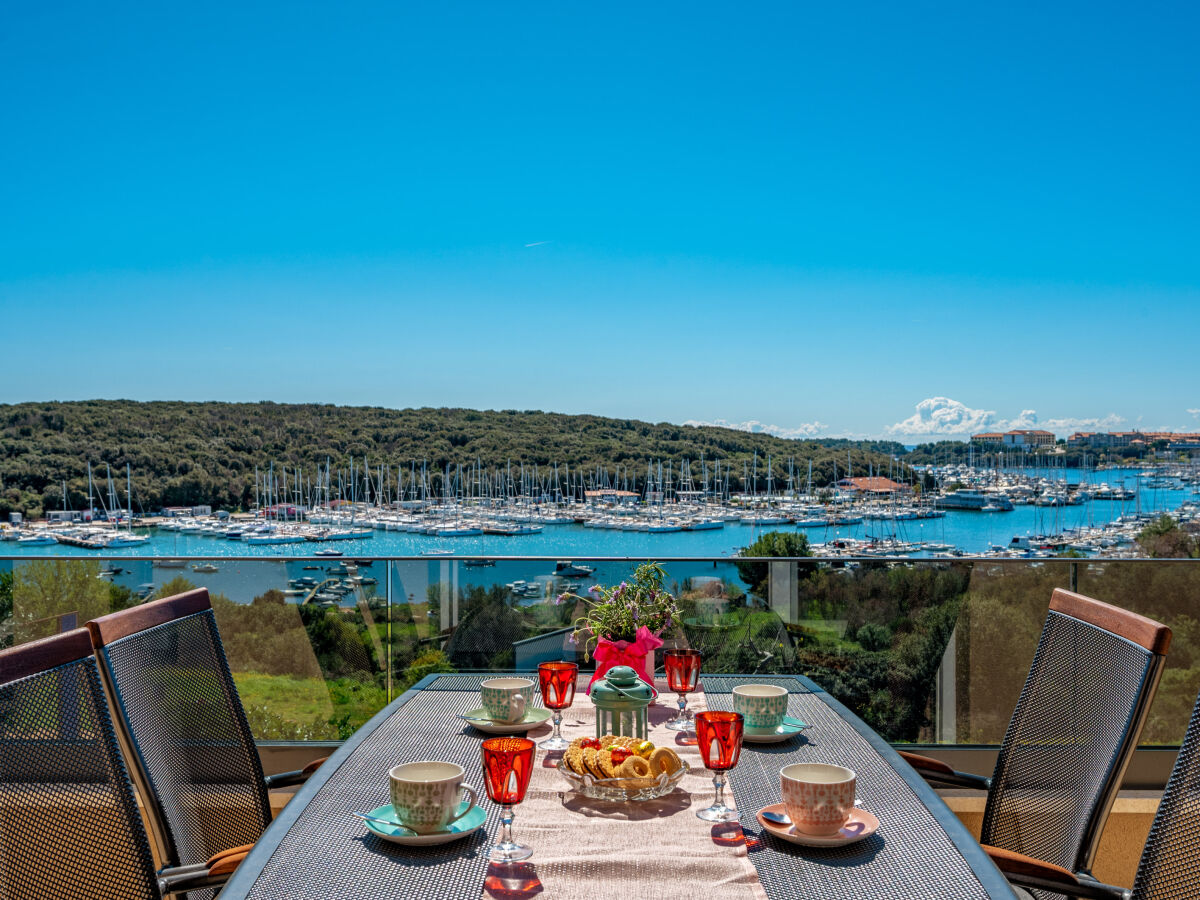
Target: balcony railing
[(926, 651)]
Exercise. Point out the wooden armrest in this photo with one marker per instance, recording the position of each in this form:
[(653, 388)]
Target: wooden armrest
[(232, 851), (1012, 863), (1027, 872), (288, 779), (226, 864), (935, 770), (928, 763)]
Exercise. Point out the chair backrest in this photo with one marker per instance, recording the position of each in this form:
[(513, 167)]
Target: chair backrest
[(187, 739), (1074, 730), (1170, 865), (69, 822)]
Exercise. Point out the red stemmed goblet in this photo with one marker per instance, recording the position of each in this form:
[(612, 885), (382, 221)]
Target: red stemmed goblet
[(558, 692), (683, 677), (507, 767), (720, 737)]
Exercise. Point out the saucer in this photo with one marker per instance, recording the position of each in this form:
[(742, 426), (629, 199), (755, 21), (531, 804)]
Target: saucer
[(782, 733), (464, 826), (861, 824), (534, 716)]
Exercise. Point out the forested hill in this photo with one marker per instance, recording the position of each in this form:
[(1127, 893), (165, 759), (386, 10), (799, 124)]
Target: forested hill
[(188, 453)]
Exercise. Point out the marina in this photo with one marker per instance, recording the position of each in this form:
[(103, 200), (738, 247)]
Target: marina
[(1039, 512)]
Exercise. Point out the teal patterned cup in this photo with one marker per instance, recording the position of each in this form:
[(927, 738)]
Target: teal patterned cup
[(427, 796), (505, 699), (763, 706)]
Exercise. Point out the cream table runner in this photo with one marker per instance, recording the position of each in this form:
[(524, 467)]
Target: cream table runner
[(588, 849)]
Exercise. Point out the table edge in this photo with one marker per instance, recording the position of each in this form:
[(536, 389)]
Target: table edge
[(246, 874), (981, 864)]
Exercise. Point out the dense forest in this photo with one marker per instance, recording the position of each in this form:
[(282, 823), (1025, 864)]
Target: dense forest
[(193, 453)]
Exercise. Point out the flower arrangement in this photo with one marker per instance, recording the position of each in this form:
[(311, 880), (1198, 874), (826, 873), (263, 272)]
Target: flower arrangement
[(623, 623)]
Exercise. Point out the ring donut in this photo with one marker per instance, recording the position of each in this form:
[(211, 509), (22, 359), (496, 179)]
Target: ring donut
[(664, 759), (635, 767)]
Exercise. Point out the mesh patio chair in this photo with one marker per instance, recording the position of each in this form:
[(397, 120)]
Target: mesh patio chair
[(1072, 734), (178, 714), (69, 821), (1170, 865)]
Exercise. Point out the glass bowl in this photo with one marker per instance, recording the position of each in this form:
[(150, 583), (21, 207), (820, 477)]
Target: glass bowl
[(619, 789)]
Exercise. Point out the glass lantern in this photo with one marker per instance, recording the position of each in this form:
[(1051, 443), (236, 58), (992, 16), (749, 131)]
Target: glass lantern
[(621, 700)]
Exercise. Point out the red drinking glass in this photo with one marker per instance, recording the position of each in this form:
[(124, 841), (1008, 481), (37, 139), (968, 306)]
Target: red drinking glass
[(683, 677), (507, 768), (558, 692), (720, 737)]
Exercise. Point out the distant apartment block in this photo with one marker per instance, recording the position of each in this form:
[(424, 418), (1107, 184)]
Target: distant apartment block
[(1101, 440), (1017, 438)]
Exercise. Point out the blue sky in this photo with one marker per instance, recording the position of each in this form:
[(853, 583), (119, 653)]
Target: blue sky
[(863, 220)]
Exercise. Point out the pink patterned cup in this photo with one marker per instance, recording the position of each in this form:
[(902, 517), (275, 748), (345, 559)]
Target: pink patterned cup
[(818, 797)]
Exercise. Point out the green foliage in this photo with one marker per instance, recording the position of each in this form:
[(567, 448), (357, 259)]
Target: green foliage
[(789, 544), (184, 454), (6, 609), (872, 637), (618, 611), (428, 663), (1165, 539)]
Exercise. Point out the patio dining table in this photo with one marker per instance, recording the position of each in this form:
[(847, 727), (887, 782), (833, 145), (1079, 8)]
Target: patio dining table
[(594, 849)]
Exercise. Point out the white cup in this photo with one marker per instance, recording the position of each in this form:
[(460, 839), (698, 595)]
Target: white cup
[(819, 798), (504, 698), (426, 795)]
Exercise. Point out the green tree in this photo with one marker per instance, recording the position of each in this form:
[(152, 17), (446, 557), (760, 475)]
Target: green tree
[(45, 590), (1165, 539), (789, 544)]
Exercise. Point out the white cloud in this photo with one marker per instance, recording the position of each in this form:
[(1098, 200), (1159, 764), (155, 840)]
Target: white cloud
[(1194, 412), (942, 416), (803, 430)]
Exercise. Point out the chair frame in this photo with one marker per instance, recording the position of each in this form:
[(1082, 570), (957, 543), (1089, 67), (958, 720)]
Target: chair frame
[(42, 656), (1155, 639), (106, 630)]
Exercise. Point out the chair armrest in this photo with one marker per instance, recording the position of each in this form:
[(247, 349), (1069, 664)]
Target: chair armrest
[(1027, 872), (214, 873), (287, 779), (935, 770)]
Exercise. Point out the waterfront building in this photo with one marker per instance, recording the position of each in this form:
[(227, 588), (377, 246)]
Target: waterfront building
[(990, 437), (1028, 438), (875, 486)]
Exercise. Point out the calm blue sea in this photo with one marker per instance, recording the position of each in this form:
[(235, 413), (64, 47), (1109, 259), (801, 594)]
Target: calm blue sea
[(243, 579), (973, 532)]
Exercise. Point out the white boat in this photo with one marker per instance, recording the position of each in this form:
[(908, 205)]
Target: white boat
[(36, 539)]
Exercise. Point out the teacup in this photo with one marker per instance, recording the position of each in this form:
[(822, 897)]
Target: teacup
[(504, 698), (761, 705), (819, 798), (426, 795)]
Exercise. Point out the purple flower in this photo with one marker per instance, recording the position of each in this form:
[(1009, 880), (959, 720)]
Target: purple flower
[(571, 638), (594, 589), (558, 601)]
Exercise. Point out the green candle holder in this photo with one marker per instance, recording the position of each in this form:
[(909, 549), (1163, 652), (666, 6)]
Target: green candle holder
[(621, 700)]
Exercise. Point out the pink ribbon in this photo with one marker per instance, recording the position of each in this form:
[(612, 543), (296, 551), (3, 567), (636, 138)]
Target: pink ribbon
[(609, 654)]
